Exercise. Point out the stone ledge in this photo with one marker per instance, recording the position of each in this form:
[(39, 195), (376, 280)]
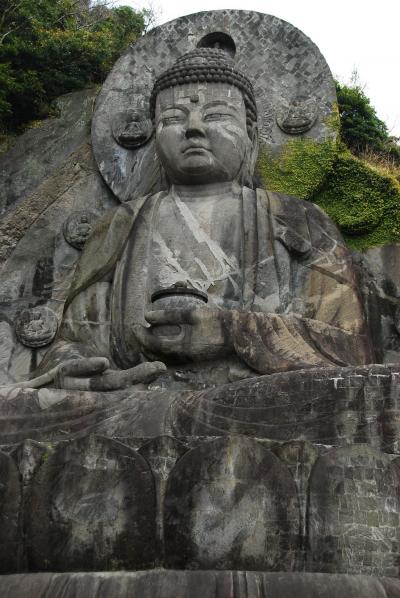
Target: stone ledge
[(196, 584), (330, 406)]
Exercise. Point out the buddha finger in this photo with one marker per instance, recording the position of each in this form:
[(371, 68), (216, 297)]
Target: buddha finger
[(162, 339), (170, 316), (117, 379), (79, 368), (83, 366), (151, 338), (72, 383)]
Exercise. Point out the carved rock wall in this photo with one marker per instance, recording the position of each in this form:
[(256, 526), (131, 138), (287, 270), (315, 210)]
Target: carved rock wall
[(51, 194), (44, 149), (222, 503), (379, 274)]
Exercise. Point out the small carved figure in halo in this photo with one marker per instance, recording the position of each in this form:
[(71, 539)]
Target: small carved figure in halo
[(297, 116), (132, 128)]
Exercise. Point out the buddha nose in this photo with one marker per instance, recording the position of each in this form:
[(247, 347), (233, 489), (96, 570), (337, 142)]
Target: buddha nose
[(194, 126)]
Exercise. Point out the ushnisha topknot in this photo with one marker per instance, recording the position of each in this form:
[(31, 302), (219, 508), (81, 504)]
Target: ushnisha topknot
[(210, 65)]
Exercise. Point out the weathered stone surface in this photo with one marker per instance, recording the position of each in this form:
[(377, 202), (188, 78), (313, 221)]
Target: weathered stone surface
[(333, 406), (379, 274), (391, 587), (162, 453), (196, 584), (42, 150), (300, 456), (41, 264), (10, 516), (325, 405), (354, 513), (231, 504), (220, 474), (91, 506), (28, 456)]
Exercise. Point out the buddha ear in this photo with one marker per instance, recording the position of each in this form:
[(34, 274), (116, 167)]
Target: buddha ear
[(252, 155), (253, 136)]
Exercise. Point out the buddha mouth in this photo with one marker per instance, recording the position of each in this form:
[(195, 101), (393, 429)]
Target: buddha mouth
[(183, 291), (195, 148)]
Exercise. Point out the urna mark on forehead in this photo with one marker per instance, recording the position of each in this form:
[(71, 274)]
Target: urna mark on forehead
[(199, 95)]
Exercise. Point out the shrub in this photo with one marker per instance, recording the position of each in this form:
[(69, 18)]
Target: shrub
[(361, 129), (51, 47), (362, 200)]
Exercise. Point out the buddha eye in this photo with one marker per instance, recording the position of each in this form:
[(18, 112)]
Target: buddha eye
[(174, 118), (217, 116)]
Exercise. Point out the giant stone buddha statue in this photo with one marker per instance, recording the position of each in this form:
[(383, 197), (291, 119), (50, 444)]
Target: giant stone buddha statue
[(213, 278), (206, 420)]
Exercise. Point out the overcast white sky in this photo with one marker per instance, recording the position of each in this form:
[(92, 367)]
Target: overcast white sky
[(351, 34)]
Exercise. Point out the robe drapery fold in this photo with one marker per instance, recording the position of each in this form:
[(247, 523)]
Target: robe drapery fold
[(300, 304)]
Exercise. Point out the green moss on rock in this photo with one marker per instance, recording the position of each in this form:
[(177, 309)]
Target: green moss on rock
[(300, 168), (363, 202)]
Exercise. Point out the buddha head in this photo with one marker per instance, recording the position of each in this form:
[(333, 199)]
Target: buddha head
[(206, 120)]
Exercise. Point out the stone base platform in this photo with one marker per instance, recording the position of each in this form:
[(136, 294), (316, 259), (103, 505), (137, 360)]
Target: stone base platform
[(196, 584), (331, 406), (294, 472)]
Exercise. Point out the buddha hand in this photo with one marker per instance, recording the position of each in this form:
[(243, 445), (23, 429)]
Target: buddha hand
[(187, 334), (93, 373)]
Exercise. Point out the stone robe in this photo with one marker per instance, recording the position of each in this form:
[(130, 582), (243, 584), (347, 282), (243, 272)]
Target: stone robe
[(294, 299)]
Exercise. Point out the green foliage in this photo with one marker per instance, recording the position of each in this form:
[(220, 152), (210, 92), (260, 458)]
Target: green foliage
[(300, 169), (361, 129), (6, 82), (122, 26), (51, 47), (363, 202), (363, 198)]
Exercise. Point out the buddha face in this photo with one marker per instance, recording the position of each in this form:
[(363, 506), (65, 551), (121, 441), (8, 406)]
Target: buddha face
[(201, 133)]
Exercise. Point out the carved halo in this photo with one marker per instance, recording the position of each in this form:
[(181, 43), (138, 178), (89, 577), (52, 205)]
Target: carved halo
[(293, 85)]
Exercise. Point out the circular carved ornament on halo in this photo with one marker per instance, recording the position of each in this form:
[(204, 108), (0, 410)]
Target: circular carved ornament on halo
[(132, 128), (279, 59), (297, 116), (36, 327), (78, 227)]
